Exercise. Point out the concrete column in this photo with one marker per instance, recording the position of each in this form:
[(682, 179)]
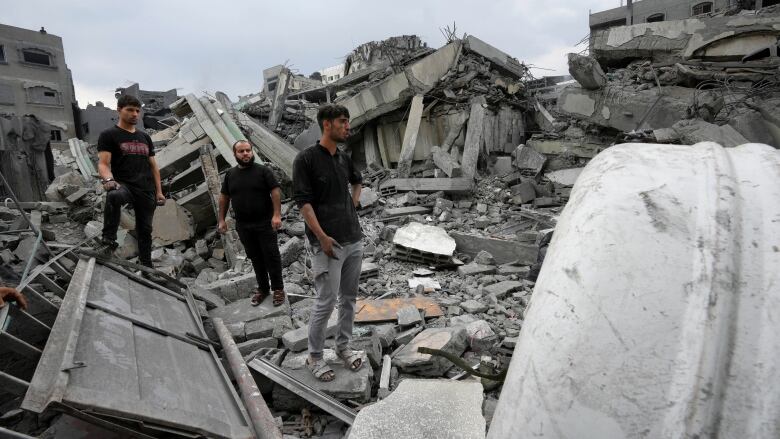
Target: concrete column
[(474, 137), (211, 175), (410, 137)]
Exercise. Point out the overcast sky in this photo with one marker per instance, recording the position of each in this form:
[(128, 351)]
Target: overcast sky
[(198, 46)]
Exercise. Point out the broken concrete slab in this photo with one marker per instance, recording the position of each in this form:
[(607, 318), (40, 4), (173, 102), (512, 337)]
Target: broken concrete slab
[(268, 327), (348, 385), (172, 223), (242, 311), (298, 339), (627, 109), (393, 92), (503, 288), (425, 409), (481, 337), (233, 289), (291, 250), (444, 161), (452, 340), (474, 269), (503, 251), (474, 137), (694, 131), (408, 316), (524, 192), (587, 71), (427, 185), (410, 136), (471, 306), (527, 158), (424, 238), (564, 177), (253, 345), (499, 58)]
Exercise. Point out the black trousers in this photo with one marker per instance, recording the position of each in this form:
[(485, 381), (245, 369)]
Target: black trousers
[(262, 248), (143, 203)]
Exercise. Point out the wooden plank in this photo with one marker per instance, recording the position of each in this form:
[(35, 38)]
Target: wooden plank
[(410, 136), (384, 310)]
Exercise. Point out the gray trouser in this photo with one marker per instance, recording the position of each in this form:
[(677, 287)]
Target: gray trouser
[(334, 279)]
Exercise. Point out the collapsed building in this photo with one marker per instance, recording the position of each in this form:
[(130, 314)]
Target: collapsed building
[(467, 161)]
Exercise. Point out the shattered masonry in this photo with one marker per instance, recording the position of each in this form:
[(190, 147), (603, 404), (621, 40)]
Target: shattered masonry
[(467, 161)]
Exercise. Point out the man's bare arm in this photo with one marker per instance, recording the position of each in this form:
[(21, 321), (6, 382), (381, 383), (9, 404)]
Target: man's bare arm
[(224, 203), (326, 242), (356, 188), (276, 200), (157, 184), (104, 170)]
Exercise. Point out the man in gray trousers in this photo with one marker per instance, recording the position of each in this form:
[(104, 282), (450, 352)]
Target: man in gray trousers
[(321, 176)]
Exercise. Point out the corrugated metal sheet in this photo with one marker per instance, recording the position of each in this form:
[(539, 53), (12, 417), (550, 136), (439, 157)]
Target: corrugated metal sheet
[(121, 349)]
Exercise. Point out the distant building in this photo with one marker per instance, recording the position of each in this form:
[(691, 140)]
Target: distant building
[(332, 74), (34, 79), (95, 119), (155, 105), (648, 11)]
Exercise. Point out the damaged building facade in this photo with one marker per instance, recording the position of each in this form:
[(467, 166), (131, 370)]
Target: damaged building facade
[(467, 163)]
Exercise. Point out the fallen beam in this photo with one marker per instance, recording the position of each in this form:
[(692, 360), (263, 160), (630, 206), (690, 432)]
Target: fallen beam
[(410, 136), (444, 161), (503, 251), (474, 137), (321, 400), (426, 185), (270, 145)]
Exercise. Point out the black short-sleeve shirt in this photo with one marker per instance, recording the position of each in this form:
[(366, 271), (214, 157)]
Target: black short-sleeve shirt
[(130, 154), (323, 180), (249, 190)]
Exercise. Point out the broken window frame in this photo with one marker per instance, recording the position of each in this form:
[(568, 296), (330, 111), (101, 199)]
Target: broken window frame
[(7, 89), (654, 18), (56, 98), (34, 51), (701, 8)]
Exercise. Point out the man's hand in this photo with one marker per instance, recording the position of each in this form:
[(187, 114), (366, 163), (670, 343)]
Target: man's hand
[(160, 199), (327, 243), (13, 295), (222, 227), (276, 222), (110, 185)]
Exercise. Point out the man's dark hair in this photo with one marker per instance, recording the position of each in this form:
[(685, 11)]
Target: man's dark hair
[(330, 112), (240, 141), (128, 101)]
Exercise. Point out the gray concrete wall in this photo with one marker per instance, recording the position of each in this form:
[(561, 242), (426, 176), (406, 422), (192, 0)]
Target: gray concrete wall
[(672, 10), (95, 119), (30, 88)]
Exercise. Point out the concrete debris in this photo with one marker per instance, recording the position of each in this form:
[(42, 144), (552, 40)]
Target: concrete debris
[(424, 409), (586, 71), (467, 161), (452, 340), (424, 239)]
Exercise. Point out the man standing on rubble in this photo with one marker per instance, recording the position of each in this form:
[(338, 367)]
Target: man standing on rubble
[(257, 204), (129, 173), (321, 174)]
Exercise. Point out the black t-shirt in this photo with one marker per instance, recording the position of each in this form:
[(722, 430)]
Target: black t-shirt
[(130, 154), (323, 180), (249, 190)]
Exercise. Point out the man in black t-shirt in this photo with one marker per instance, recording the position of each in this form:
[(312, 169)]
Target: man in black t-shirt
[(257, 204), (129, 173)]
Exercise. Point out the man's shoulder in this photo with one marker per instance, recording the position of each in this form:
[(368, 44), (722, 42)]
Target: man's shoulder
[(308, 152)]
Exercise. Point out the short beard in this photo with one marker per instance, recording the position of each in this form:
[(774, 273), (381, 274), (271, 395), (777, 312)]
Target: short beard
[(245, 164)]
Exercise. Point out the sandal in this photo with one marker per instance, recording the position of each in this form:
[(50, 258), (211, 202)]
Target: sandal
[(353, 360), (258, 297), (278, 297), (320, 369)]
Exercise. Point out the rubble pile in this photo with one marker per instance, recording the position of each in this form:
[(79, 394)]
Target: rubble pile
[(464, 174), (710, 78)]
